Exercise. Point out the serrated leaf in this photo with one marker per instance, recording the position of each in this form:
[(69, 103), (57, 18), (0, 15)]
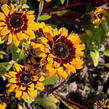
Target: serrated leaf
[(50, 80), (44, 17), (62, 2), (95, 56), (47, 102)]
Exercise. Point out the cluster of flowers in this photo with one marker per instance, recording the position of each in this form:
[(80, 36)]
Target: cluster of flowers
[(52, 50)]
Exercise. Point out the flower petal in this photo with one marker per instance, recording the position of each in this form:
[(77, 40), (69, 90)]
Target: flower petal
[(25, 95), (5, 31), (18, 94), (12, 80), (2, 17), (12, 87), (30, 32), (5, 9), (16, 41), (19, 35), (40, 86), (30, 12), (32, 93)]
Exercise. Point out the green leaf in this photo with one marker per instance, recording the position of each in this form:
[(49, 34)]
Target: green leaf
[(5, 66), (95, 56), (1, 57), (50, 80), (44, 17), (41, 5), (1, 41), (24, 1), (47, 102), (15, 52), (21, 56), (105, 25), (106, 51), (3, 53), (107, 65), (62, 1)]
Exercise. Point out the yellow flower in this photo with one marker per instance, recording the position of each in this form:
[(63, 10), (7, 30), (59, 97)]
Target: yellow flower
[(45, 0), (16, 25), (24, 81), (40, 31), (60, 53), (102, 104), (3, 105), (98, 15)]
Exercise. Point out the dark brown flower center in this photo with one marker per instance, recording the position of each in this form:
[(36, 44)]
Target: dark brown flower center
[(38, 34), (16, 21), (25, 78), (61, 50), (100, 15)]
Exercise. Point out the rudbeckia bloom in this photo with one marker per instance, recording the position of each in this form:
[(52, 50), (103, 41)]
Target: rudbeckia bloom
[(24, 81), (60, 53), (40, 31), (3, 105), (102, 104), (98, 15), (16, 25)]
